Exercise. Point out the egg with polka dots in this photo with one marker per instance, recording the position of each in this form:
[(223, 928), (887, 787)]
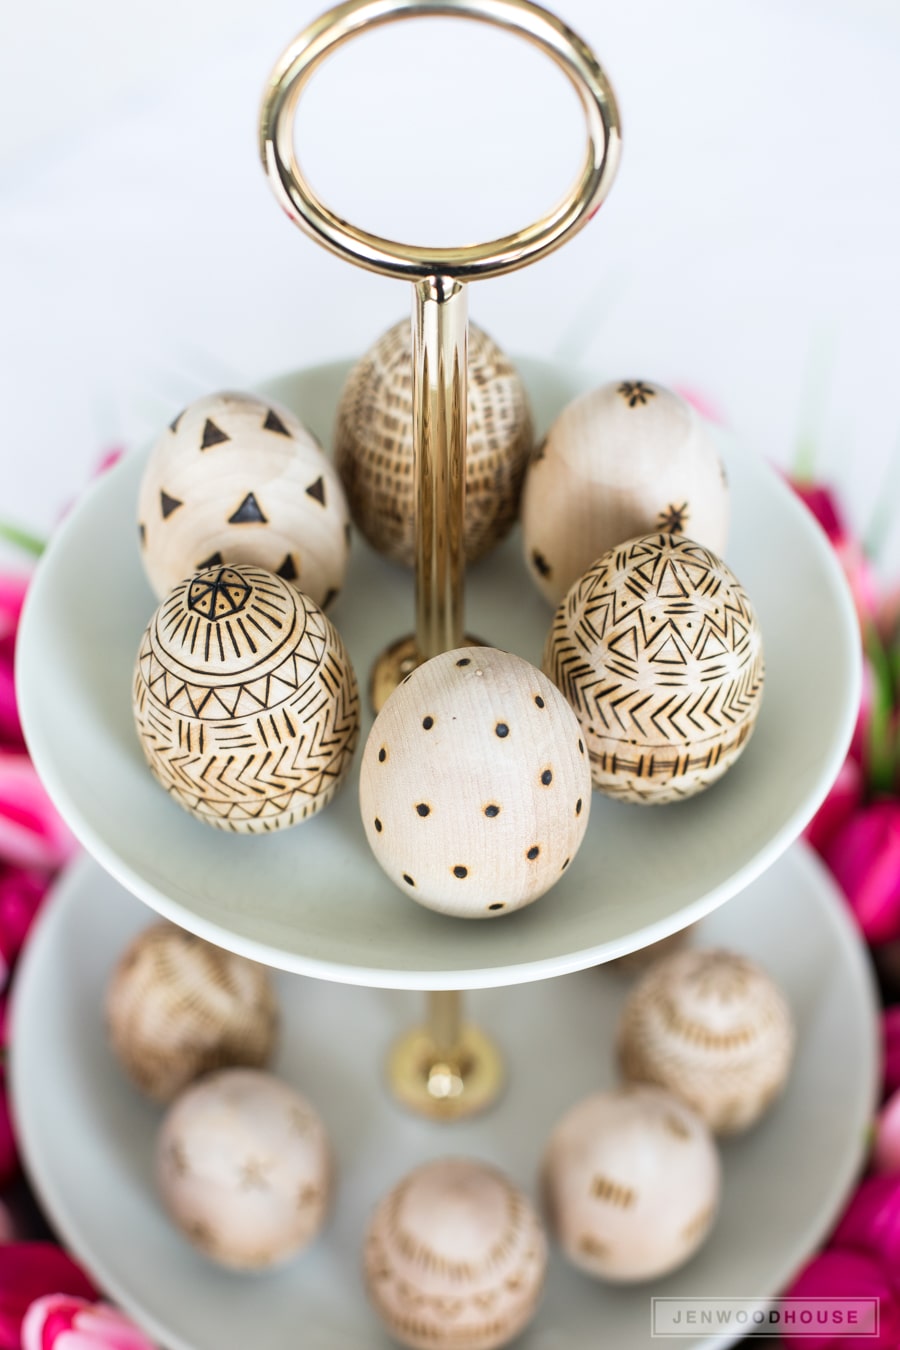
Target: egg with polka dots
[(475, 788)]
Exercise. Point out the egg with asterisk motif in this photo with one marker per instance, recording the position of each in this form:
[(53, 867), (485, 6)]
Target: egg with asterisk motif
[(245, 702), (631, 1183), (455, 1256), (178, 1007), (659, 652), (373, 445), (239, 479), (243, 1169), (627, 459), (714, 1028)]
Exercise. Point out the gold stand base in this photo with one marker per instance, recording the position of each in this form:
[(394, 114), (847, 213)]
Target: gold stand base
[(447, 1087), (395, 663)]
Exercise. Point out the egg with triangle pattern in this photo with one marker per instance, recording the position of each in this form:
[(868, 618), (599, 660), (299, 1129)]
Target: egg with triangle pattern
[(238, 479)]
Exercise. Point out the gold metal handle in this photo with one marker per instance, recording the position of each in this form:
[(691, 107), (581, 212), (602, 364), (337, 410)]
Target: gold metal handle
[(465, 263)]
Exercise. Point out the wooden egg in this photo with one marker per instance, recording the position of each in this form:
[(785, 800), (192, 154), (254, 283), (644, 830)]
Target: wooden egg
[(245, 701), (626, 459), (712, 1027), (235, 479), (636, 962), (178, 1007), (475, 787), (631, 1183), (243, 1168), (658, 650), (455, 1256), (373, 445)]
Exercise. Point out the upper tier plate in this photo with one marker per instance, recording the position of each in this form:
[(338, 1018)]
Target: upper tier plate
[(313, 899)]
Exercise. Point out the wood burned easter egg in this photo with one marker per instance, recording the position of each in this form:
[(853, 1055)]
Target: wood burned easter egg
[(455, 1256), (714, 1028), (624, 460), (659, 652), (243, 1169), (245, 701), (178, 1007), (631, 1183), (373, 445), (235, 479), (475, 786)]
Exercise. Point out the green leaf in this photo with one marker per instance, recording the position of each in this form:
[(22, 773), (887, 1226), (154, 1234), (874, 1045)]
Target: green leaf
[(22, 539), (882, 750)]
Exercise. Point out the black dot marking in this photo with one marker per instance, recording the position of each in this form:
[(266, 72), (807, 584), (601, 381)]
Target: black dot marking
[(142, 534), (547, 777), (378, 825), (540, 564), (382, 755), (538, 700), (578, 807), (423, 809), (492, 810), (460, 872), (580, 746), (427, 723), (408, 879), (501, 730), (565, 864), (498, 904), (465, 661), (532, 853)]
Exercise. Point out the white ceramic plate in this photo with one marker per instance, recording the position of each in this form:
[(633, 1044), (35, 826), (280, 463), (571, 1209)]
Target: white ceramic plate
[(89, 1137), (312, 899)]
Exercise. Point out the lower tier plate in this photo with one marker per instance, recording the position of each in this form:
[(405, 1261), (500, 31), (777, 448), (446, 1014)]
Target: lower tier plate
[(312, 899), (89, 1138)]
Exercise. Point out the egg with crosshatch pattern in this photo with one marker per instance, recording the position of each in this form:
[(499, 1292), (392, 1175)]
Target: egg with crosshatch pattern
[(455, 1256), (238, 479), (243, 1168), (245, 702), (631, 1183), (178, 1007), (623, 460), (714, 1028), (475, 787), (658, 650), (373, 445)]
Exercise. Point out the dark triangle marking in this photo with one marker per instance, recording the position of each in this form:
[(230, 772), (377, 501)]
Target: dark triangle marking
[(317, 491), (274, 423), (248, 513), (330, 596), (212, 435), (142, 534), (173, 425), (287, 570), (214, 560), (168, 504)]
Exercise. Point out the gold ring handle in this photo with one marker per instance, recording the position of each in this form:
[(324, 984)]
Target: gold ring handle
[(497, 256)]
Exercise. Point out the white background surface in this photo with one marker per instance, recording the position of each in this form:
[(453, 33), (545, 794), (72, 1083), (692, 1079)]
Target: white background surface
[(749, 247)]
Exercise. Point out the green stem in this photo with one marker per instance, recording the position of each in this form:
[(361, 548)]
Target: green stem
[(22, 539)]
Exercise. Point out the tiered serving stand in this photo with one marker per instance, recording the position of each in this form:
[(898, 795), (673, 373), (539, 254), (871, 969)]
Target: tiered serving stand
[(313, 902)]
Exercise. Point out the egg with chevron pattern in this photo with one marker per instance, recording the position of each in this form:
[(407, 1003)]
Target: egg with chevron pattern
[(245, 701), (238, 479), (659, 652)]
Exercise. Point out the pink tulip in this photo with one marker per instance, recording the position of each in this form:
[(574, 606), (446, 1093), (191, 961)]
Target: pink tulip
[(840, 1274), (12, 595), (21, 895), (59, 1322), (864, 856), (31, 833), (704, 405), (886, 1152), (823, 504), (860, 742), (856, 566), (890, 1030), (841, 803), (871, 1222), (28, 1271)]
